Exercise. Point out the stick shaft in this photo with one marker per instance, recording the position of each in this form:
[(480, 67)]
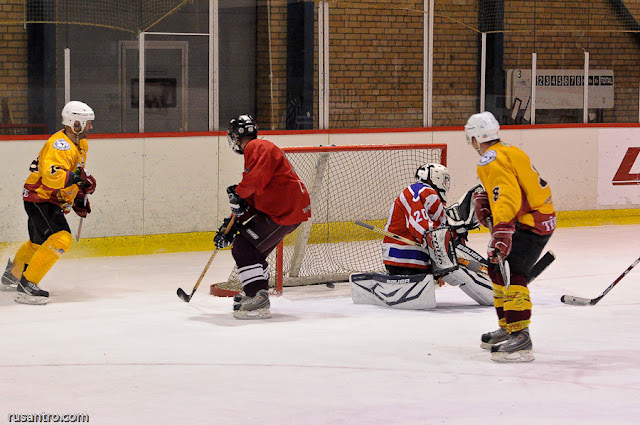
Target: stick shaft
[(387, 233), (204, 272), (84, 202), (568, 299), (542, 264), (226, 230), (615, 282)]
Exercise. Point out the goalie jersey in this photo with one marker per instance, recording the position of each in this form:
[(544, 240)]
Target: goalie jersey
[(417, 210)]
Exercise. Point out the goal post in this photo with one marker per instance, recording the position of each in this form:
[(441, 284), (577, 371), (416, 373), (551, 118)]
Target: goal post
[(345, 183)]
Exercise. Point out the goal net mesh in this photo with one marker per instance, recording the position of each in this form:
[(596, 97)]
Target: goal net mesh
[(345, 184)]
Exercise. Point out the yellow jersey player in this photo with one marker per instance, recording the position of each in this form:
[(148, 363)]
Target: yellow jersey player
[(58, 182), (518, 207)]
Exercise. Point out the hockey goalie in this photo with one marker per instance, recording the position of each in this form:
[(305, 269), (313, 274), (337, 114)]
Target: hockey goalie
[(426, 246)]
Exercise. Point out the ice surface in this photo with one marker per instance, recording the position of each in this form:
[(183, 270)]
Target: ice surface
[(115, 342)]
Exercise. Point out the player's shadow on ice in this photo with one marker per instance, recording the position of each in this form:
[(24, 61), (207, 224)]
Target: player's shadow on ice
[(227, 319), (446, 308)]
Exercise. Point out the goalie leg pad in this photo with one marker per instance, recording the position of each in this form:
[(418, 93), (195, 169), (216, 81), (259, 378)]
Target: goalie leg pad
[(476, 285), (416, 292), (472, 277)]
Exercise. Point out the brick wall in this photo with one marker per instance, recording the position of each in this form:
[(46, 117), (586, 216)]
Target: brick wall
[(13, 61), (376, 56), (560, 46)]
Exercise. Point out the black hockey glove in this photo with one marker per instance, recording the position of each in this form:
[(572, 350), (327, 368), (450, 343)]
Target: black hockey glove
[(238, 205), (222, 240)]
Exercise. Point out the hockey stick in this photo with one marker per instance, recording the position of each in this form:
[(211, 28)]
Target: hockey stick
[(84, 204), (540, 266), (183, 295), (571, 300), (387, 233)]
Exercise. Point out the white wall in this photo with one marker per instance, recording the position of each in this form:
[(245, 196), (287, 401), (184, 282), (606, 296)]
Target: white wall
[(155, 185)]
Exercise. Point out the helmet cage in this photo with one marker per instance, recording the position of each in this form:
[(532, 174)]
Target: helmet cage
[(240, 127)]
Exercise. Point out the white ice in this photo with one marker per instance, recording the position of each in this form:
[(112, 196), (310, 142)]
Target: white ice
[(116, 343)]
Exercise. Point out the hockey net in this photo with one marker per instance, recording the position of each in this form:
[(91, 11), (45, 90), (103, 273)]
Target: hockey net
[(345, 183)]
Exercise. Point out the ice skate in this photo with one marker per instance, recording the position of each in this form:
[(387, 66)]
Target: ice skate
[(252, 307), (30, 293), (494, 337), (9, 281), (517, 349)]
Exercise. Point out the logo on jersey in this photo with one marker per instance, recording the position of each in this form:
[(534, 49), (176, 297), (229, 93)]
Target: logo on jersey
[(488, 157), (61, 145)]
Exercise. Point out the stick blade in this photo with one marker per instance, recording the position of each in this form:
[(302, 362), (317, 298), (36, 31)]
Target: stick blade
[(183, 295), (571, 300)]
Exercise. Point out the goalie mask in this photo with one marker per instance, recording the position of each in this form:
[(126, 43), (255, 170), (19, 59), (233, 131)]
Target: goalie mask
[(484, 127), (239, 128), (437, 176)]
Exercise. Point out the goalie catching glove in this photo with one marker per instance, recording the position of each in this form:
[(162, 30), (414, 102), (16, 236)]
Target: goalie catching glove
[(500, 243), (238, 205), (223, 239)]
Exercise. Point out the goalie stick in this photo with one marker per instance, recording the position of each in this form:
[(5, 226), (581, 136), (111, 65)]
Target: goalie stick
[(571, 300), (540, 266), (183, 295)]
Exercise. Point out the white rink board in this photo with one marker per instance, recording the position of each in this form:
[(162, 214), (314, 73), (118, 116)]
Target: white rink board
[(155, 185)]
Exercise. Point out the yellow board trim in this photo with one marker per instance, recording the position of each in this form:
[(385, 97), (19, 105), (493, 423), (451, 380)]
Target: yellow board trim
[(203, 241)]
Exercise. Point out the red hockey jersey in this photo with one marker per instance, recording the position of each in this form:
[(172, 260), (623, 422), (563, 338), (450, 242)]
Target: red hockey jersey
[(417, 210), (270, 185)]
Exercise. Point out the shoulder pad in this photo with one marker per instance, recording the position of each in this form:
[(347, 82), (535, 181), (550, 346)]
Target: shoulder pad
[(488, 157)]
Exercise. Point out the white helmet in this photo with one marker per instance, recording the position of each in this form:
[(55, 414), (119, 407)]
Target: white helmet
[(484, 127), (77, 111), (437, 176)]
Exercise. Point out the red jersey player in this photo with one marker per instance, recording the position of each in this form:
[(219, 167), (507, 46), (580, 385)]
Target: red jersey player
[(269, 203)]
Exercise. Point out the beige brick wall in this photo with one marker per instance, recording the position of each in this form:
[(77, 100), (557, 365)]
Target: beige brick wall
[(13, 61)]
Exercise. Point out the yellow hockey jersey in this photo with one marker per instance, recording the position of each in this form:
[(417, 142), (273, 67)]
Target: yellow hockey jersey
[(52, 170), (517, 193)]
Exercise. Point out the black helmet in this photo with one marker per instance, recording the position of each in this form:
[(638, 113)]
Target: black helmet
[(240, 127)]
